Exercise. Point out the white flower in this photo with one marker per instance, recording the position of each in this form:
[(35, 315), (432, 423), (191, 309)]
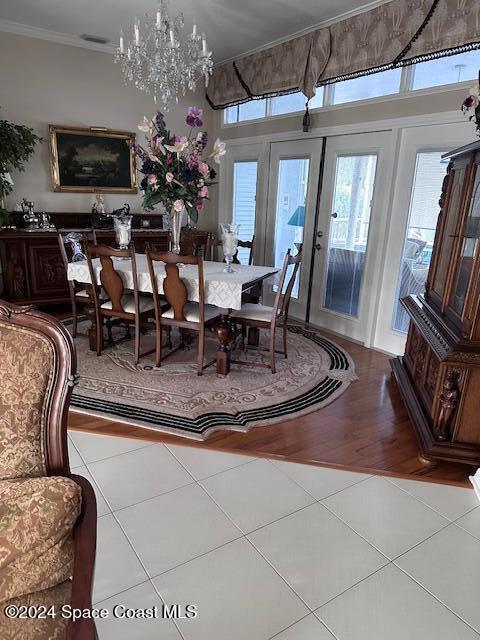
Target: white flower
[(218, 150), (146, 126), (178, 147), (179, 205)]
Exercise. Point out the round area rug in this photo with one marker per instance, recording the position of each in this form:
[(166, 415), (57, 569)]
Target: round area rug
[(174, 399)]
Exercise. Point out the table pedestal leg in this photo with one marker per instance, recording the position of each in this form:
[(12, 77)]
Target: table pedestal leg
[(225, 333), (90, 313), (253, 336)]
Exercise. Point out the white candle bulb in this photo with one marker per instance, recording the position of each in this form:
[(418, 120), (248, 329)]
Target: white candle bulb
[(122, 45), (204, 46), (159, 19), (136, 32), (194, 32), (172, 37)]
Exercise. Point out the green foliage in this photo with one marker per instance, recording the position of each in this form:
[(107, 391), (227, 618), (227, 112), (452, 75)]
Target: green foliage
[(17, 144)]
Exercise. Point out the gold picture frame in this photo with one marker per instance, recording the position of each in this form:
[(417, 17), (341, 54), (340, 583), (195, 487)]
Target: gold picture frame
[(92, 160)]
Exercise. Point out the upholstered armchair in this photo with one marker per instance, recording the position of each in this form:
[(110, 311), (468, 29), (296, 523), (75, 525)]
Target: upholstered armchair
[(47, 515)]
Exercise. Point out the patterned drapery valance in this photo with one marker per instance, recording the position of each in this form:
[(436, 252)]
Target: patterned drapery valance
[(393, 34)]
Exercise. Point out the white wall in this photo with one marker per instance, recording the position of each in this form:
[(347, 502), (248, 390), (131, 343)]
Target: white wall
[(43, 83)]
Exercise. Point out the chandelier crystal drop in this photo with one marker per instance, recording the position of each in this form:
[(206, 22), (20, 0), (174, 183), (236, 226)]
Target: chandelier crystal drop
[(159, 62)]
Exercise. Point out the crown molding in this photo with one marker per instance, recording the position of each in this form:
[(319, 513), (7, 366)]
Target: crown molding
[(325, 23), (53, 36)]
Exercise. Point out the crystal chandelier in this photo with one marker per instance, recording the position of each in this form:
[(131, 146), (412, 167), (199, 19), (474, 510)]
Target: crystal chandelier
[(159, 62)]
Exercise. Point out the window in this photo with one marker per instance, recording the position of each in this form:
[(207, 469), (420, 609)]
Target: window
[(294, 102), (372, 86), (427, 184), (451, 69), (459, 68), (244, 202)]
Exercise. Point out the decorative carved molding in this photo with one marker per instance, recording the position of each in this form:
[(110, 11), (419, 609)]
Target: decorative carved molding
[(449, 398), (439, 345)]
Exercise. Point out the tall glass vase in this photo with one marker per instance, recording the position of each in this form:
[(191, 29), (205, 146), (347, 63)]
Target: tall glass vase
[(123, 230), (176, 218), (229, 235)]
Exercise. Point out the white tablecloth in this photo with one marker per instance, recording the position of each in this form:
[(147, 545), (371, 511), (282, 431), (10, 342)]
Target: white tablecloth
[(222, 289)]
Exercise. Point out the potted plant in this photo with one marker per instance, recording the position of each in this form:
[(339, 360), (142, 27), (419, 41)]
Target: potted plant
[(17, 144)]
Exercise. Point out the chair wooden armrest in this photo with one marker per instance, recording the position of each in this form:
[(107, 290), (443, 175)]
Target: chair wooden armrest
[(84, 537)]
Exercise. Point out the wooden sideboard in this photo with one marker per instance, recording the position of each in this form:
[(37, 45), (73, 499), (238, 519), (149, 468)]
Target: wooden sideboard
[(439, 374), (32, 266)]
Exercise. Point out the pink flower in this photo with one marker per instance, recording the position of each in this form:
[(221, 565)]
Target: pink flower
[(169, 177), (179, 205), (199, 205), (169, 158), (192, 161), (203, 192), (204, 169), (152, 180)]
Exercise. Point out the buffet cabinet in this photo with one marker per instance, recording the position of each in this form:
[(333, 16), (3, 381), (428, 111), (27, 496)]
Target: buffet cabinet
[(32, 268), (439, 374)]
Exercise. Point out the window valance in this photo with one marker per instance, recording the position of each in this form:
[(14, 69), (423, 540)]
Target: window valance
[(396, 33)]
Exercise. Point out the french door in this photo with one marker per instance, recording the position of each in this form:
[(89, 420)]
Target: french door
[(291, 203), (414, 217), (349, 235)]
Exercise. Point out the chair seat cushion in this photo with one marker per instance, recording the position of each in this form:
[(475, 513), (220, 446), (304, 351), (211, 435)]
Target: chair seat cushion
[(251, 311), (191, 312), (38, 628), (84, 294), (128, 303), (37, 516)]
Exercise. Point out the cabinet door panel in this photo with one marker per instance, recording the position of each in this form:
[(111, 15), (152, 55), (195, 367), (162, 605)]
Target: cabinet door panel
[(468, 252), (47, 271), (450, 222)]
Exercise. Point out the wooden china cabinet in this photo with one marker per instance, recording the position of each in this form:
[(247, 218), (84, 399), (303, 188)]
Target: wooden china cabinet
[(439, 374)]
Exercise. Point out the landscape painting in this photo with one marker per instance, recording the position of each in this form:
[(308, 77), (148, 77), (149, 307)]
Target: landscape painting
[(92, 161)]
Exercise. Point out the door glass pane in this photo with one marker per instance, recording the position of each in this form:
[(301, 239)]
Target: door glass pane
[(290, 214), (244, 202), (430, 170), (471, 234), (354, 182)]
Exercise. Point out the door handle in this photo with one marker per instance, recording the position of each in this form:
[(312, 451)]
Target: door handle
[(319, 234), (318, 247), (335, 215)]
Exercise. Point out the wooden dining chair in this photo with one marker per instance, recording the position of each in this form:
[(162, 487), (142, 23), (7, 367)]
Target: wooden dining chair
[(265, 317), (72, 249), (121, 304), (216, 242), (190, 316)]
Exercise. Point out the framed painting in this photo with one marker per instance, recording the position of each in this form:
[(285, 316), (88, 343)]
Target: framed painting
[(93, 160)]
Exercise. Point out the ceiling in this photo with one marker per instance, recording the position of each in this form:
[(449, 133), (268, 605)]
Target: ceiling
[(232, 27)]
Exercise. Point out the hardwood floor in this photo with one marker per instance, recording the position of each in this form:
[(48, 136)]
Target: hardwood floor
[(366, 428)]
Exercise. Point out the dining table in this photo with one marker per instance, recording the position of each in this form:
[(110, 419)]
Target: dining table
[(221, 289)]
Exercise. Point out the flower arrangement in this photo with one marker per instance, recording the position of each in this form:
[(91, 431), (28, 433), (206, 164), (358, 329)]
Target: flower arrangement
[(472, 103), (176, 172)]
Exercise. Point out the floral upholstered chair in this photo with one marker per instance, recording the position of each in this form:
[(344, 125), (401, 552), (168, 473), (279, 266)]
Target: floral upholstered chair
[(47, 515)]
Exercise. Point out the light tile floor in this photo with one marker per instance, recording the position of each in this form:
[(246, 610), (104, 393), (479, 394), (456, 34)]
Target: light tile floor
[(269, 549)]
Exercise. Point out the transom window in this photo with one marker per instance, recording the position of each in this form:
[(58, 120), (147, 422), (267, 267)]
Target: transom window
[(449, 70)]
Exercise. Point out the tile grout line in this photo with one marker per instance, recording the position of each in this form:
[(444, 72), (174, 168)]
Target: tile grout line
[(145, 570), (437, 598), (306, 490), (116, 455), (334, 637), (412, 495), (243, 464)]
